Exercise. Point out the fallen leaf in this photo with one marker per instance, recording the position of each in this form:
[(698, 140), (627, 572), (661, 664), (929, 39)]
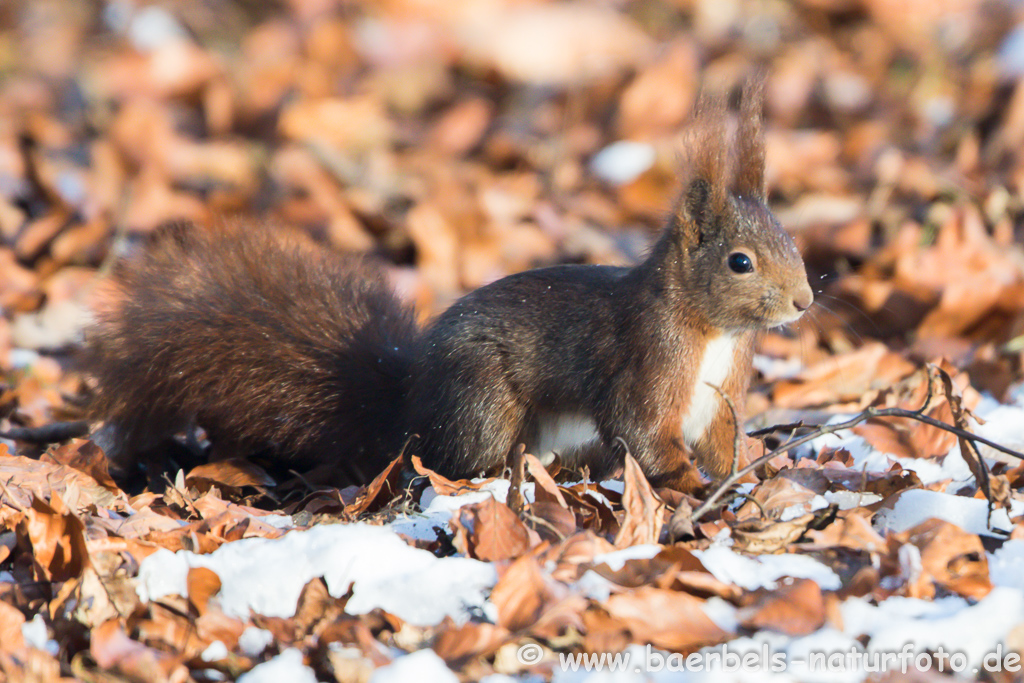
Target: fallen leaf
[(645, 512), (796, 609), (666, 619)]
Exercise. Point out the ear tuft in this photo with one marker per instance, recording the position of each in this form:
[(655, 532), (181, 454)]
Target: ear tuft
[(750, 141), (697, 202), (706, 183)]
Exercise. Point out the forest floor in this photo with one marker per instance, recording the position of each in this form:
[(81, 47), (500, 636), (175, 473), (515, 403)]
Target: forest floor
[(463, 141)]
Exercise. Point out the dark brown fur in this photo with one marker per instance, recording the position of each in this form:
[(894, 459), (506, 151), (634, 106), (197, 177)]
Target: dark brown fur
[(269, 346), (310, 355)]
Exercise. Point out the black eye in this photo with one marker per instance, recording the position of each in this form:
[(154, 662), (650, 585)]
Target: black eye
[(740, 263)]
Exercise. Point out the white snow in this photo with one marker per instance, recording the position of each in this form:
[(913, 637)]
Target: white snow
[(777, 368), (593, 586), (36, 635), (867, 458), (265, 576), (721, 612), (1006, 565), (970, 514), (214, 652), (287, 666), (616, 559), (254, 641), (948, 622), (801, 509), (422, 666), (438, 510), (764, 571), (278, 521), (847, 500), (1003, 426)]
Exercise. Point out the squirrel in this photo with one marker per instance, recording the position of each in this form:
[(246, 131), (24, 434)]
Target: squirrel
[(310, 355)]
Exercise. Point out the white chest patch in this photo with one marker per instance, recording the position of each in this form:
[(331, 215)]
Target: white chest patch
[(716, 364), (562, 433)]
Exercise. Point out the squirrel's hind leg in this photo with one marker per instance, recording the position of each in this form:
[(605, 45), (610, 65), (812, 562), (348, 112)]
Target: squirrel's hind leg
[(669, 464), (466, 427)]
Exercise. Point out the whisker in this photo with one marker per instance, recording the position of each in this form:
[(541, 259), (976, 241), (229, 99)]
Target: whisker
[(846, 326), (856, 309)]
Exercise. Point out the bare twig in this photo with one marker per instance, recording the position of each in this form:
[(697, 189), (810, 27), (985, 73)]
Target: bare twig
[(791, 427), (540, 521), (822, 430), (755, 501)]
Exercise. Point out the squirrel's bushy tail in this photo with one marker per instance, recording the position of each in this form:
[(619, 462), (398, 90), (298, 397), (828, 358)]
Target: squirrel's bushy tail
[(270, 347)]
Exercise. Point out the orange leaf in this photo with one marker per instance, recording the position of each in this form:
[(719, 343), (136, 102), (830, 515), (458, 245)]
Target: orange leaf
[(645, 512), (490, 531)]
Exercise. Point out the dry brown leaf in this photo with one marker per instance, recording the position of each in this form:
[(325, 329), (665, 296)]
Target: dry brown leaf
[(553, 44), (796, 609), (235, 472), (203, 583), (844, 378), (523, 593), (950, 558), (456, 644), (444, 486), (345, 124), (490, 531), (775, 495), (462, 127), (86, 457), (112, 649), (666, 619), (385, 487), (11, 621), (547, 490), (759, 536), (55, 538), (645, 512)]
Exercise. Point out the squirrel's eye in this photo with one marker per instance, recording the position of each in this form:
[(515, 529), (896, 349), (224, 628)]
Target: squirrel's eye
[(740, 263)]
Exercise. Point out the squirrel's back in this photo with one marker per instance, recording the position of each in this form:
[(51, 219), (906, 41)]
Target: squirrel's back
[(269, 346)]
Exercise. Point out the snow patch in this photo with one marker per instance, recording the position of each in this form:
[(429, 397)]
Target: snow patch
[(764, 571), (36, 635), (914, 506), (801, 509), (265, 576), (847, 500), (616, 559), (947, 622), (1006, 565), (438, 510), (254, 641), (423, 666), (287, 666)]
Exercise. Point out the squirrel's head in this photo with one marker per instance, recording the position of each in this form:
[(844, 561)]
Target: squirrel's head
[(732, 253)]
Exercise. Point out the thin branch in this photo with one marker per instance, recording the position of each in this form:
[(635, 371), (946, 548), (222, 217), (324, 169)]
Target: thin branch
[(791, 427), (823, 430), (756, 502), (963, 433)]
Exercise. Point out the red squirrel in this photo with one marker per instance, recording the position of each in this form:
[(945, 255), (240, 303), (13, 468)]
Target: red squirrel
[(309, 355)]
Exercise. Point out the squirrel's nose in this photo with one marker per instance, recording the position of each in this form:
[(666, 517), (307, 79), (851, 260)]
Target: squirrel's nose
[(803, 300)]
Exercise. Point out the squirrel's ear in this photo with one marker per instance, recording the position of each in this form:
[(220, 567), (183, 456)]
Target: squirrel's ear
[(750, 141), (705, 190)]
